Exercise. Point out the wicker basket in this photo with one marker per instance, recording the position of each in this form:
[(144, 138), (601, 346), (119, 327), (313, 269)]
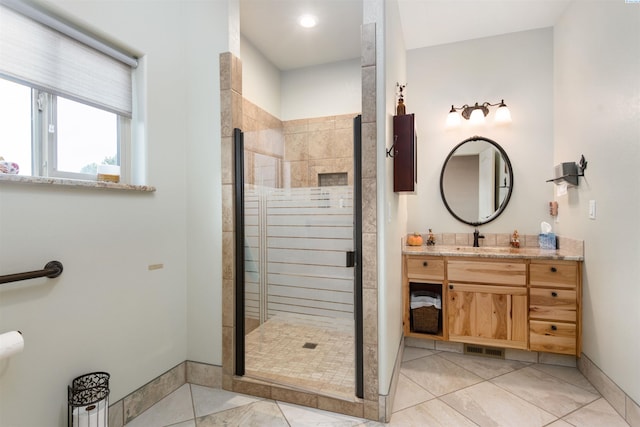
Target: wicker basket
[(425, 319)]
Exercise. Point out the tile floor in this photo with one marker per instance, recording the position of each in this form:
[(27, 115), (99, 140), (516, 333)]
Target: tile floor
[(434, 389), (276, 352)]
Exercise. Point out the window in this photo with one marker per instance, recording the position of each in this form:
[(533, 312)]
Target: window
[(52, 136), (65, 99)]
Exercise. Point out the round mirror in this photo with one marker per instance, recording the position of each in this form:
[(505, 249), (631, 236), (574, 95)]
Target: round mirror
[(476, 181)]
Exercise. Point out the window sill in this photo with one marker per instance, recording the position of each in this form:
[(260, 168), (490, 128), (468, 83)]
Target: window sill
[(22, 179)]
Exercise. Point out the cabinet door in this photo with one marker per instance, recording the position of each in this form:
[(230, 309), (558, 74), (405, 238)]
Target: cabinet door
[(404, 153), (485, 314)]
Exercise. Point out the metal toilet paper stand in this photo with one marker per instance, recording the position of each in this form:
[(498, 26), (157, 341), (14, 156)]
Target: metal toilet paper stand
[(89, 400)]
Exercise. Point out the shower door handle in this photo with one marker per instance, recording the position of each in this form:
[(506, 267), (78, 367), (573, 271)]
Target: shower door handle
[(351, 259)]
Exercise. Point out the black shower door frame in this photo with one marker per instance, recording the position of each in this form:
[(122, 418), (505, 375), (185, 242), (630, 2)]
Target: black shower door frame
[(238, 138)]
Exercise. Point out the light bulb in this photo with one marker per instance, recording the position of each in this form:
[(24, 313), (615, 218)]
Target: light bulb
[(453, 119), (477, 116), (503, 115)]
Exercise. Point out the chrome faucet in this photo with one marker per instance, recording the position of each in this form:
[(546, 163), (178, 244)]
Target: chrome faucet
[(476, 236)]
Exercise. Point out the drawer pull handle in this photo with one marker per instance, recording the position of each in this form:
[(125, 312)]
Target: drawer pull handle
[(553, 269), (425, 263), (554, 328), (554, 294)]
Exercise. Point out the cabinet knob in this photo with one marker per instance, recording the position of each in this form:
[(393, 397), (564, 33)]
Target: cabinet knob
[(553, 269), (450, 286), (554, 294), (554, 328), (425, 263)]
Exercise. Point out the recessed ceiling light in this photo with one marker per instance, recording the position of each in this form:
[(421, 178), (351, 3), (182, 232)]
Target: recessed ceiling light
[(308, 21)]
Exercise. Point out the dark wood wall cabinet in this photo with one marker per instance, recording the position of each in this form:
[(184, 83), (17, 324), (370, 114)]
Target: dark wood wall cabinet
[(405, 161)]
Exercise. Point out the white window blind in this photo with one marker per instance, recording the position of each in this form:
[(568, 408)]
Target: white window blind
[(44, 58)]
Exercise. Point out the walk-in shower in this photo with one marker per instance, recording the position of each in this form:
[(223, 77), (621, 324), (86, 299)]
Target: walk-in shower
[(298, 262)]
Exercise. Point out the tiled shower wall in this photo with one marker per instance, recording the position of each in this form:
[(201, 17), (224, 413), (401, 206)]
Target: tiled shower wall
[(263, 146), (291, 154), (317, 146)]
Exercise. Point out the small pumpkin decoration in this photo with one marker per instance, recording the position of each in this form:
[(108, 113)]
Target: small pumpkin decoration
[(414, 239)]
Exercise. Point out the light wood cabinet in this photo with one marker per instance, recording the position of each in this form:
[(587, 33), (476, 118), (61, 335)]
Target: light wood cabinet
[(554, 308), (492, 315), (522, 303), (487, 303)]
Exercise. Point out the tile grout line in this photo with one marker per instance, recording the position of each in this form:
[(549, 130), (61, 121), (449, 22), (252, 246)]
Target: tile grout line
[(193, 403), (503, 389), (454, 409), (562, 379), (281, 411), (536, 405), (577, 409), (489, 380)]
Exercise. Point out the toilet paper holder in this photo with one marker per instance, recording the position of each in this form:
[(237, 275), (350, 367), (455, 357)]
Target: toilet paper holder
[(88, 400), (569, 172)]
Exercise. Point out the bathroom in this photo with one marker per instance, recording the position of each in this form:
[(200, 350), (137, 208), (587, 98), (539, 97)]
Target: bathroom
[(110, 312)]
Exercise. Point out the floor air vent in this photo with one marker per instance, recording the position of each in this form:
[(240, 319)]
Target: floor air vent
[(478, 350), (310, 345)]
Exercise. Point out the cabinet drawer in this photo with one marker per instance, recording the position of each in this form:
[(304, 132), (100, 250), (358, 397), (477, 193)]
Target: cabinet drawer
[(499, 273), (553, 304), (553, 273), (554, 337), (425, 268)]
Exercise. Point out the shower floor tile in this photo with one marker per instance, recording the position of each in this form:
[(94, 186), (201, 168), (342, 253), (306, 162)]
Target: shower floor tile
[(279, 351)]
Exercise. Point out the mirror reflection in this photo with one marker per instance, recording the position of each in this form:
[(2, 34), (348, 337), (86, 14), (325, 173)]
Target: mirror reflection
[(476, 181)]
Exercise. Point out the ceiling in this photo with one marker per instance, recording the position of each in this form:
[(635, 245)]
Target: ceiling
[(271, 25)]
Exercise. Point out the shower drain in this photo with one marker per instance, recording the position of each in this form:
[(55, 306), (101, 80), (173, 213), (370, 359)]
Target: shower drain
[(310, 345)]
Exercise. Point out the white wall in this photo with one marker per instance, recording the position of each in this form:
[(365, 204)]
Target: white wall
[(516, 67), (108, 311), (205, 22), (323, 90), (597, 104), (319, 91), (260, 79), (392, 219)]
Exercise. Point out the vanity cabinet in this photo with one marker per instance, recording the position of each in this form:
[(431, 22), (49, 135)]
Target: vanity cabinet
[(517, 302), (554, 308), (487, 303)]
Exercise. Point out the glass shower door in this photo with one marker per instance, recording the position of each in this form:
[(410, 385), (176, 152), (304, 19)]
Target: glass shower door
[(299, 294)]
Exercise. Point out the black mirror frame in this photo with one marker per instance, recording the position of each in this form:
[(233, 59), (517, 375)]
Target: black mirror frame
[(505, 202)]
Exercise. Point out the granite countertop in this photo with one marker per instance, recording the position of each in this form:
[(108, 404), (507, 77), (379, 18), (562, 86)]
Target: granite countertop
[(569, 253), (77, 183)]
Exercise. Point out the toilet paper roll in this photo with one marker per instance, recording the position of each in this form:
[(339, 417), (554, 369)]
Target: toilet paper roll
[(92, 415), (10, 344)]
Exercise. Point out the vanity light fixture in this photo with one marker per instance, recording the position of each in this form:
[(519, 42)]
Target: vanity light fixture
[(476, 113)]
